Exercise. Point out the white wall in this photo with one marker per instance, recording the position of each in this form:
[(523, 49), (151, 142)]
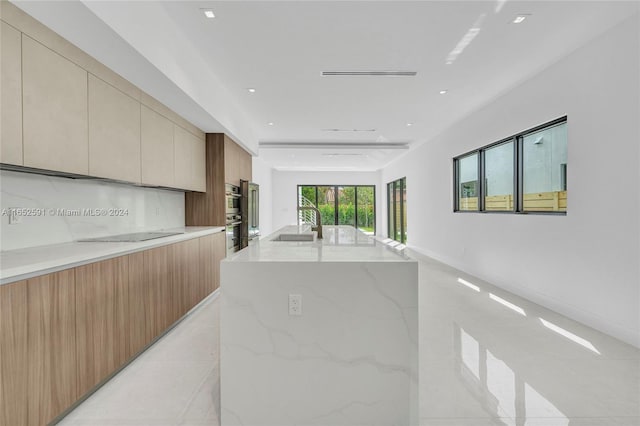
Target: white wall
[(285, 194), (262, 175), (142, 209), (586, 264)]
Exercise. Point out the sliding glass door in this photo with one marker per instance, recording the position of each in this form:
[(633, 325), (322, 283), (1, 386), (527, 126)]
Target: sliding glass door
[(352, 205), (397, 210)]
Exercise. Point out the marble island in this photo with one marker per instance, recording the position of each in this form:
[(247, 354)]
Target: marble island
[(321, 332)]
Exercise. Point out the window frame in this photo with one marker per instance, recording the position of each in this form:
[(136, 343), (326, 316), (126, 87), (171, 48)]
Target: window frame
[(391, 196), (518, 173), (337, 201)]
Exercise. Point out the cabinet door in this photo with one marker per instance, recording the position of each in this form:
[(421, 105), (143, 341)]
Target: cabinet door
[(139, 305), (245, 165), (114, 133), (157, 149), (13, 353), (207, 265), (190, 160), (54, 110), (231, 160), (156, 283), (101, 320), (219, 253), (212, 251), (52, 377), (199, 162), (184, 276), (11, 96)]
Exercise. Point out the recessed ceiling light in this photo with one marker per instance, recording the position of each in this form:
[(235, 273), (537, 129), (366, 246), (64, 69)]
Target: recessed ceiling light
[(520, 18), (409, 124), (442, 92), (270, 123), (251, 90), (209, 14)]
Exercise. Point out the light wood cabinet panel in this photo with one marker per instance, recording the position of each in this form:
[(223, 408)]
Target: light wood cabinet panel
[(184, 271), (207, 265), (156, 283), (11, 95), (189, 160), (13, 354), (157, 149), (231, 172), (114, 133), (219, 253), (101, 320), (209, 209), (212, 251), (199, 170), (245, 165), (52, 377), (237, 162), (140, 300), (54, 110)]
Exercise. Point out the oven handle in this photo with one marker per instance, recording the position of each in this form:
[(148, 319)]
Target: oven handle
[(231, 194), (234, 223)]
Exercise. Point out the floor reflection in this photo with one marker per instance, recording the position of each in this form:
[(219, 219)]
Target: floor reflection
[(496, 386), (489, 357)]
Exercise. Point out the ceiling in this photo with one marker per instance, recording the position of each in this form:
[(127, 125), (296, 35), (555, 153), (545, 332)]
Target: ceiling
[(203, 67)]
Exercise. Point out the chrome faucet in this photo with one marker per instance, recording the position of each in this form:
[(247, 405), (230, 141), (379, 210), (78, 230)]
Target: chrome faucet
[(318, 226)]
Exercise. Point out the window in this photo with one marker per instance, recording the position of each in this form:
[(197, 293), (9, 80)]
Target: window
[(544, 170), (353, 205), (499, 183), (468, 182), (526, 173), (397, 210)]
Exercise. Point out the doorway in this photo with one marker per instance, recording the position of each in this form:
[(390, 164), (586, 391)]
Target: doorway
[(352, 205), (397, 210)]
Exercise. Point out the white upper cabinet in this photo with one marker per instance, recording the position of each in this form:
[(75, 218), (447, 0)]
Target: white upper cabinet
[(190, 162), (54, 110), (11, 96), (157, 149), (114, 133)]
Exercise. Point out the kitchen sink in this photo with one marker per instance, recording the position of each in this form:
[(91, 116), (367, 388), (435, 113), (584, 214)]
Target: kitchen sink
[(294, 237)]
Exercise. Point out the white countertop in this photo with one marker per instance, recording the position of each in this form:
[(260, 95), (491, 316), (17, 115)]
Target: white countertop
[(16, 265), (340, 244)]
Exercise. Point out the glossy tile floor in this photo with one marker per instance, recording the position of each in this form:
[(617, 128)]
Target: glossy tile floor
[(487, 357)]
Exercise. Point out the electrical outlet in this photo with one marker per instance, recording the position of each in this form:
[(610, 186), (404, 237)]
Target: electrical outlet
[(14, 217), (295, 304)]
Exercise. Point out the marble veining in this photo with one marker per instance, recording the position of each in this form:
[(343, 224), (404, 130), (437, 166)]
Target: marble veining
[(481, 364), (147, 209), (349, 359)]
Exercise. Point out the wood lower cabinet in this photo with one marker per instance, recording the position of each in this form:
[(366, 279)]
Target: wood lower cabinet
[(52, 375), (212, 251), (219, 253), (156, 284), (102, 326), (140, 300), (64, 333), (13, 355)]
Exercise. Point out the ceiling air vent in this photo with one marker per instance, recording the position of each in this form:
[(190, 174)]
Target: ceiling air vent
[(370, 73), (347, 130)]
